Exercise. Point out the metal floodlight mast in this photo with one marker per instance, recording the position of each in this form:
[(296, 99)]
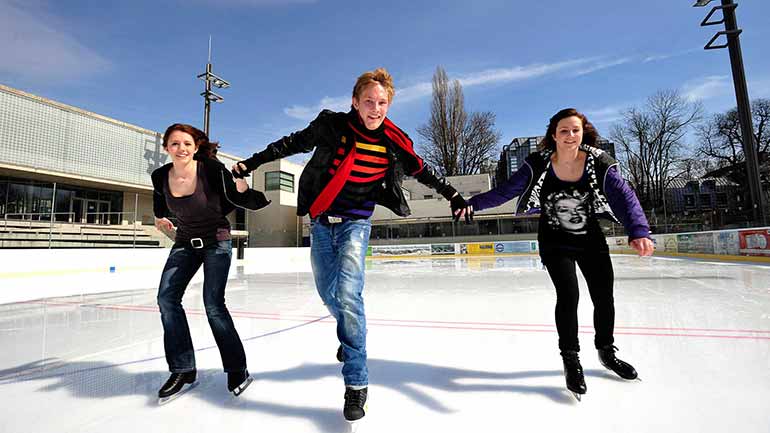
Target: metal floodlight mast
[(210, 79), (732, 32)]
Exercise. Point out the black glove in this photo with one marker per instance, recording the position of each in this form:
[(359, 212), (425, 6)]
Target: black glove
[(260, 199), (243, 173), (457, 203)]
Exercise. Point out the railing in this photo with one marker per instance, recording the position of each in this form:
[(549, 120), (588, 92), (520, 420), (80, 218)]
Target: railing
[(52, 218)]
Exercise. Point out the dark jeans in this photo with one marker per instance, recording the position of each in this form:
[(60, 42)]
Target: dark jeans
[(180, 267), (597, 270)]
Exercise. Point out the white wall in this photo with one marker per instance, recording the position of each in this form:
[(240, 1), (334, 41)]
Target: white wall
[(42, 273)]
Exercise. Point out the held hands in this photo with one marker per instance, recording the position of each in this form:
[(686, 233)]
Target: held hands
[(241, 185), (460, 208), (643, 246), (240, 170)]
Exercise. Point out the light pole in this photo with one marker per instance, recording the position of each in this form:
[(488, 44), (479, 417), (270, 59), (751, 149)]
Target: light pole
[(731, 32), (208, 96)]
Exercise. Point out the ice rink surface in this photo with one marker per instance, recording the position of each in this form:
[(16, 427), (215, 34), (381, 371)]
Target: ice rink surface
[(455, 345)]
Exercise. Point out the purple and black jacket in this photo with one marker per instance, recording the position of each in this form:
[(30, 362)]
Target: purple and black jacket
[(612, 197)]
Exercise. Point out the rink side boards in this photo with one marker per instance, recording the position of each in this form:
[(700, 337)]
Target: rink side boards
[(742, 245)]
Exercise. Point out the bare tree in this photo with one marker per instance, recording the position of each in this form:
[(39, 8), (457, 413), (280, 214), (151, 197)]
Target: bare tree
[(720, 136), (454, 142), (652, 143)]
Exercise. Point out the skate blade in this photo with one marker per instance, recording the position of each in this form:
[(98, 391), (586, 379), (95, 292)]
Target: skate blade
[(354, 426), (184, 390), (577, 396), (242, 387)]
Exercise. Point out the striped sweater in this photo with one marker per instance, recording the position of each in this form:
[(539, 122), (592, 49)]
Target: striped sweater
[(370, 163)]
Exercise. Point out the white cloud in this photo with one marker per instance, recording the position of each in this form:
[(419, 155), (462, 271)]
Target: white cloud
[(604, 64), (338, 103), (33, 48), (424, 89), (705, 87), (659, 57), (608, 114)]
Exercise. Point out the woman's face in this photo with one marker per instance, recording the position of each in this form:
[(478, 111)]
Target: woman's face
[(181, 147), (569, 134), (571, 213)]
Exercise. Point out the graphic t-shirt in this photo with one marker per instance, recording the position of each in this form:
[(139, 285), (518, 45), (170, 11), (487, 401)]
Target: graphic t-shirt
[(567, 221)]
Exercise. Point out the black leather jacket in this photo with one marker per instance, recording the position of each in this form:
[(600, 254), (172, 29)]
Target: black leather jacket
[(220, 180), (328, 133)]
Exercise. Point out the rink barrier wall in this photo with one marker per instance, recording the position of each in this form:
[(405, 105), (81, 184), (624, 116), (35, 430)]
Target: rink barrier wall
[(748, 245), (27, 274)]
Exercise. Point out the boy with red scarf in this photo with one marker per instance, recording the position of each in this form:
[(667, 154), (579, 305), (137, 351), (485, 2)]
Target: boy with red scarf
[(360, 159)]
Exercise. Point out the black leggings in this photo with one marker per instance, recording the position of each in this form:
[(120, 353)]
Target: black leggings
[(597, 270)]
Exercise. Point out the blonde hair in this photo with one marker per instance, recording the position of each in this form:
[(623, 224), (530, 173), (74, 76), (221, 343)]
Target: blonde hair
[(378, 76)]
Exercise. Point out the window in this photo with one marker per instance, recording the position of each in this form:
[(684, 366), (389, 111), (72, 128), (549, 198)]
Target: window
[(689, 200), (722, 199), (427, 196), (275, 180), (705, 200)]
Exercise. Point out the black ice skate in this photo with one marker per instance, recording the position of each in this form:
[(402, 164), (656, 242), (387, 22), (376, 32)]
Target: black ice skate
[(573, 373), (621, 368), (238, 382), (355, 404), (340, 354), (175, 386)]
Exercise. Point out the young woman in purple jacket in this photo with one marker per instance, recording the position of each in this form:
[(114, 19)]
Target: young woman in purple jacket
[(572, 183)]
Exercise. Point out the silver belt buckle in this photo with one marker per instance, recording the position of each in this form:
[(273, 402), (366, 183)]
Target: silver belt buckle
[(334, 219), (196, 243)]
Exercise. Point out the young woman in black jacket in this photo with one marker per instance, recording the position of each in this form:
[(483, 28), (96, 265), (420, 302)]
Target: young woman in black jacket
[(199, 192)]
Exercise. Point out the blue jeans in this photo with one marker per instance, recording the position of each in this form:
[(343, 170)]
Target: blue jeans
[(180, 267), (337, 253)]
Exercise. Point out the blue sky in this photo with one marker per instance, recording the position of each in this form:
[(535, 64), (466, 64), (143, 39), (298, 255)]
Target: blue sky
[(286, 59)]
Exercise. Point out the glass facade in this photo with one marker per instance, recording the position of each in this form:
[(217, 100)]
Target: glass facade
[(279, 180), (38, 133), (30, 200)]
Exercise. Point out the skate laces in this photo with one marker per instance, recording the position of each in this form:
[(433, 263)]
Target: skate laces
[(355, 397)]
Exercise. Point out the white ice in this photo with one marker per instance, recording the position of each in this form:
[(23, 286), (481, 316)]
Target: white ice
[(455, 345)]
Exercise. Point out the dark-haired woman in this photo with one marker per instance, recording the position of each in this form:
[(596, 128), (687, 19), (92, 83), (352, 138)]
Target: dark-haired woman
[(572, 183), (199, 191)]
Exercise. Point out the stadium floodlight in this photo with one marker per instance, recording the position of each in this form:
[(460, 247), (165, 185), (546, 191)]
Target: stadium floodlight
[(733, 44), (211, 96), (210, 79), (215, 80)]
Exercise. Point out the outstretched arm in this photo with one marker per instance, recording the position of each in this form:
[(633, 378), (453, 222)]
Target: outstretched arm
[(627, 208), (298, 142), (506, 191)]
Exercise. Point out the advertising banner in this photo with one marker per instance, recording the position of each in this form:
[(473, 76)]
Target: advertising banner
[(401, 250), (727, 242), (482, 248), (443, 249), (515, 247), (696, 243), (754, 242)]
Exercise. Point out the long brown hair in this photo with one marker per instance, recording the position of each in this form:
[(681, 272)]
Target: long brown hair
[(206, 148), (590, 136)]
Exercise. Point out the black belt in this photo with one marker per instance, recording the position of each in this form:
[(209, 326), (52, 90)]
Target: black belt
[(197, 243)]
